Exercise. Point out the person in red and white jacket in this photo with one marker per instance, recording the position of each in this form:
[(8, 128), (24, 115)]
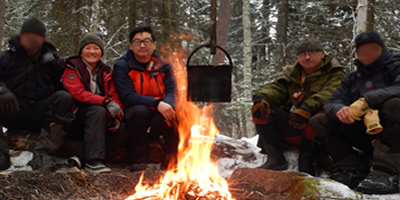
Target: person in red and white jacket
[(98, 108)]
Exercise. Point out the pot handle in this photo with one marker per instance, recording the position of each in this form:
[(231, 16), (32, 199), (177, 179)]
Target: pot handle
[(209, 46)]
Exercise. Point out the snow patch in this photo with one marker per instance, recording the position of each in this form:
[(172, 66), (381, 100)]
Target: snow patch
[(19, 161)]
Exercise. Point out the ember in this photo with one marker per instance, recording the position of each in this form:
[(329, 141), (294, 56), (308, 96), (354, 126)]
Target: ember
[(196, 176)]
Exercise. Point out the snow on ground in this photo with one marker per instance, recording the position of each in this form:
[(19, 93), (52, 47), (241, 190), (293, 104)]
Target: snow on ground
[(245, 147), (19, 161)]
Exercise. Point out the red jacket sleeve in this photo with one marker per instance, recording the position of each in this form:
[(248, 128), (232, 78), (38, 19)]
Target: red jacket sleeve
[(73, 84)]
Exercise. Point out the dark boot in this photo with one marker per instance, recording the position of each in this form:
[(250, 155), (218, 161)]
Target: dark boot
[(42, 160), (383, 179), (276, 160), (51, 139), (260, 144), (4, 155), (4, 161), (379, 181), (306, 163), (350, 171), (308, 152)]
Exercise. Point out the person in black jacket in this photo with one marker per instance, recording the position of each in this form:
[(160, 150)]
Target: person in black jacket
[(360, 120), (30, 71)]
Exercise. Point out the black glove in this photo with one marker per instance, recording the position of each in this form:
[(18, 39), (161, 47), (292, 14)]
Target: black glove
[(261, 109), (8, 101), (115, 110), (299, 117)]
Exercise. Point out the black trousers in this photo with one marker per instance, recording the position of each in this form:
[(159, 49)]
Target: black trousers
[(277, 128), (143, 122), (32, 117), (339, 138), (91, 126)]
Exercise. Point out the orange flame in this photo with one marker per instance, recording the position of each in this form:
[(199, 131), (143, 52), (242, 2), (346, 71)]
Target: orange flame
[(195, 175)]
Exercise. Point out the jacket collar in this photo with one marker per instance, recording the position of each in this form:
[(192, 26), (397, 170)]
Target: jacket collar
[(134, 64), (292, 72)]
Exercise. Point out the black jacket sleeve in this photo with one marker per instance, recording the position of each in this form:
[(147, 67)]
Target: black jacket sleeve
[(376, 97), (341, 97)]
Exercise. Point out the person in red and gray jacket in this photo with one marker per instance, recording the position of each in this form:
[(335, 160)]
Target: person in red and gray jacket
[(147, 88), (98, 108)]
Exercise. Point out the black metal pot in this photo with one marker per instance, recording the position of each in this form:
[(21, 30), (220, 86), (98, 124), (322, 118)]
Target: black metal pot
[(209, 83)]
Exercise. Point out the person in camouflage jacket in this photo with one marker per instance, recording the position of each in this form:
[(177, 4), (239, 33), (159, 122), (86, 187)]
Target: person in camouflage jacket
[(282, 108)]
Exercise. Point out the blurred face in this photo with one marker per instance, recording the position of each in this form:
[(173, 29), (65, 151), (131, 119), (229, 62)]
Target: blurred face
[(91, 53), (142, 46), (369, 52), (310, 60), (31, 42)]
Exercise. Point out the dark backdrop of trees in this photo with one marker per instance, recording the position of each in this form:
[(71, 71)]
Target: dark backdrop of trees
[(259, 35)]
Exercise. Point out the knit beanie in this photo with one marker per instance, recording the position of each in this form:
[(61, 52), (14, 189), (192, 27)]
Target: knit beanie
[(91, 38), (33, 25), (367, 37)]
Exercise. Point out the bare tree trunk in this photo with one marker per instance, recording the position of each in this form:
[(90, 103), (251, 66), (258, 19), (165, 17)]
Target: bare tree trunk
[(166, 23), (95, 16), (132, 14), (265, 33), (365, 16), (281, 29), (2, 16), (224, 14), (247, 62), (263, 53), (149, 11), (77, 26)]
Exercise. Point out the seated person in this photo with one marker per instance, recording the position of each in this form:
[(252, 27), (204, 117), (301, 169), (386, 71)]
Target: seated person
[(98, 109), (282, 108), (363, 114), (30, 72), (146, 86)]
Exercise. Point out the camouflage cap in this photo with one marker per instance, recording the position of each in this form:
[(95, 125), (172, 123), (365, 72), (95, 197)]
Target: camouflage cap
[(308, 44)]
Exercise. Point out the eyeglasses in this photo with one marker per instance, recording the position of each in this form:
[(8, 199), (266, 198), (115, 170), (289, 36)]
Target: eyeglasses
[(307, 53), (146, 42)]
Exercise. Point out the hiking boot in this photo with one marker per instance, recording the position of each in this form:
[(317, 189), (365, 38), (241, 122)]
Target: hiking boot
[(306, 163), (349, 176), (138, 167), (74, 161), (275, 160), (379, 182), (42, 160), (4, 161), (97, 166)]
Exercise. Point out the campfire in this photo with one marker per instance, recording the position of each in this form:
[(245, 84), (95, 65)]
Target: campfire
[(195, 176)]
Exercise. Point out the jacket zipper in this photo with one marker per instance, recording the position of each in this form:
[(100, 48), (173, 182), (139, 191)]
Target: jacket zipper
[(141, 83)]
